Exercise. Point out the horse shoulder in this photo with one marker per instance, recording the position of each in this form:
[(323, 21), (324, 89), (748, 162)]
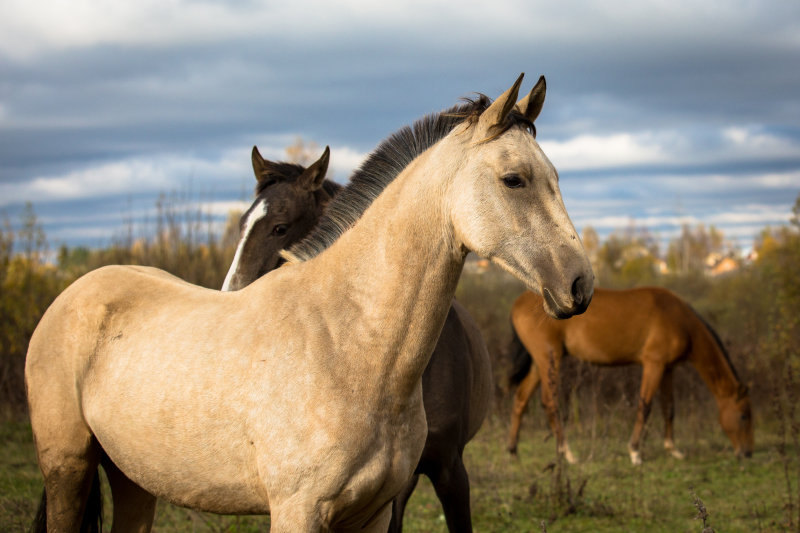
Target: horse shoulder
[(671, 323), (534, 326)]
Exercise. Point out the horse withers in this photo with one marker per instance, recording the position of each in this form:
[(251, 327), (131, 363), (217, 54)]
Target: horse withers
[(648, 326), (457, 383), (301, 394)]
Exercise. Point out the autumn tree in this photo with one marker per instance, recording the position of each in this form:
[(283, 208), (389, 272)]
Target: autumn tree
[(627, 258), (689, 252), (28, 284), (302, 152)]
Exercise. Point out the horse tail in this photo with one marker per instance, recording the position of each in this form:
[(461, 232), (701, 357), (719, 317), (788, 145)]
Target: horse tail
[(521, 360), (92, 521)]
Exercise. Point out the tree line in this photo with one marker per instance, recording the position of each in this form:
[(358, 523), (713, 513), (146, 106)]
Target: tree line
[(754, 306)]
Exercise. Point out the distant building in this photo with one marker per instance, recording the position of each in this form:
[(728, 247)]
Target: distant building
[(718, 264)]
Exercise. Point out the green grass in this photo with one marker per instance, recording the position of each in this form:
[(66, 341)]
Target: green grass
[(601, 493), (519, 494), (20, 480)]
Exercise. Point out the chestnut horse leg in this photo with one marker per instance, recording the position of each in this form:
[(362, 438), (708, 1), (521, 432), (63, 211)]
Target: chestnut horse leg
[(521, 398), (549, 369), (651, 378), (668, 410), (134, 507)]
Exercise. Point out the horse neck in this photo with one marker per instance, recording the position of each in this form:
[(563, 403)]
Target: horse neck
[(710, 361), (393, 276)]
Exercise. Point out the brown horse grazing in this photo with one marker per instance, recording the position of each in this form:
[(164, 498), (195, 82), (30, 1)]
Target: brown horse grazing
[(301, 394), (648, 326), (456, 384)]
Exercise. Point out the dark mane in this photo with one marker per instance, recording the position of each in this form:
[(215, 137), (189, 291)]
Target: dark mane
[(331, 187), (719, 343), (382, 166)]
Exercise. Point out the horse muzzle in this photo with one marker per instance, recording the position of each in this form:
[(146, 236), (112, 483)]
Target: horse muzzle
[(581, 292)]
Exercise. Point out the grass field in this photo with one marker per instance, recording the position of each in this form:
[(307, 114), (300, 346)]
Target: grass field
[(603, 493)]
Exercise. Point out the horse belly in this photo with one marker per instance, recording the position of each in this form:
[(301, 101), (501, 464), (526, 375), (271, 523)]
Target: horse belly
[(207, 475), (192, 449), (600, 353)]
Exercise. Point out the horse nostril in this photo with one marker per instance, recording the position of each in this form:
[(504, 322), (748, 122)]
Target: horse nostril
[(581, 294), (577, 292)]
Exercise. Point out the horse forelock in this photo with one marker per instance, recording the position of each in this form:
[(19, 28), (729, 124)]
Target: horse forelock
[(276, 172), (383, 165)]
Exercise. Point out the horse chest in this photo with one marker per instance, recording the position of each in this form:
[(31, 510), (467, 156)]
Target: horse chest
[(355, 465)]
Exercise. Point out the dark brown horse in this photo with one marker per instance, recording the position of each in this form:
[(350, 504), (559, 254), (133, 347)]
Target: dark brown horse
[(456, 383), (647, 326), (289, 201)]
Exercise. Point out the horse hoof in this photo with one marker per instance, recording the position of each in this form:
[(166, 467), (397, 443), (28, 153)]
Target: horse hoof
[(571, 459), (669, 445), (636, 458)]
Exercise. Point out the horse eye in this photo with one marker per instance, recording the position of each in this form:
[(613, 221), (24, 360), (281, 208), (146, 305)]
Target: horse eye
[(513, 182), (280, 230)]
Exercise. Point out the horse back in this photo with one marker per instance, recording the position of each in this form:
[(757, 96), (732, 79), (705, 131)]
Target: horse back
[(79, 314), (619, 326)]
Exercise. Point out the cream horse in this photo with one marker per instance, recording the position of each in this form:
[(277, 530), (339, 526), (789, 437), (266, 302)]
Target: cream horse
[(457, 384), (300, 395)]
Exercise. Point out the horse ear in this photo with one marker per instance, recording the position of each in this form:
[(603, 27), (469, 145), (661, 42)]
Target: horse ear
[(314, 176), (260, 165), (531, 105), (496, 113)]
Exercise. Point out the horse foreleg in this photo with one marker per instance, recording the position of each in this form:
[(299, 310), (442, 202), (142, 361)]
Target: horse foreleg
[(651, 378), (668, 410), (451, 484), (134, 507), (521, 399), (399, 504), (290, 518), (549, 368), (379, 523)]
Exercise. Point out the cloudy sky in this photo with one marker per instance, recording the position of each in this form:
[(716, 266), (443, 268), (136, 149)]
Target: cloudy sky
[(658, 113)]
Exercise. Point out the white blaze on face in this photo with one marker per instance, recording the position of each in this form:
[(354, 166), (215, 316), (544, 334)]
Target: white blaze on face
[(257, 212)]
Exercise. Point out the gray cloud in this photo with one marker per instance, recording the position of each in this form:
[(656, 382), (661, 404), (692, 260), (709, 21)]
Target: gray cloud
[(168, 95)]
